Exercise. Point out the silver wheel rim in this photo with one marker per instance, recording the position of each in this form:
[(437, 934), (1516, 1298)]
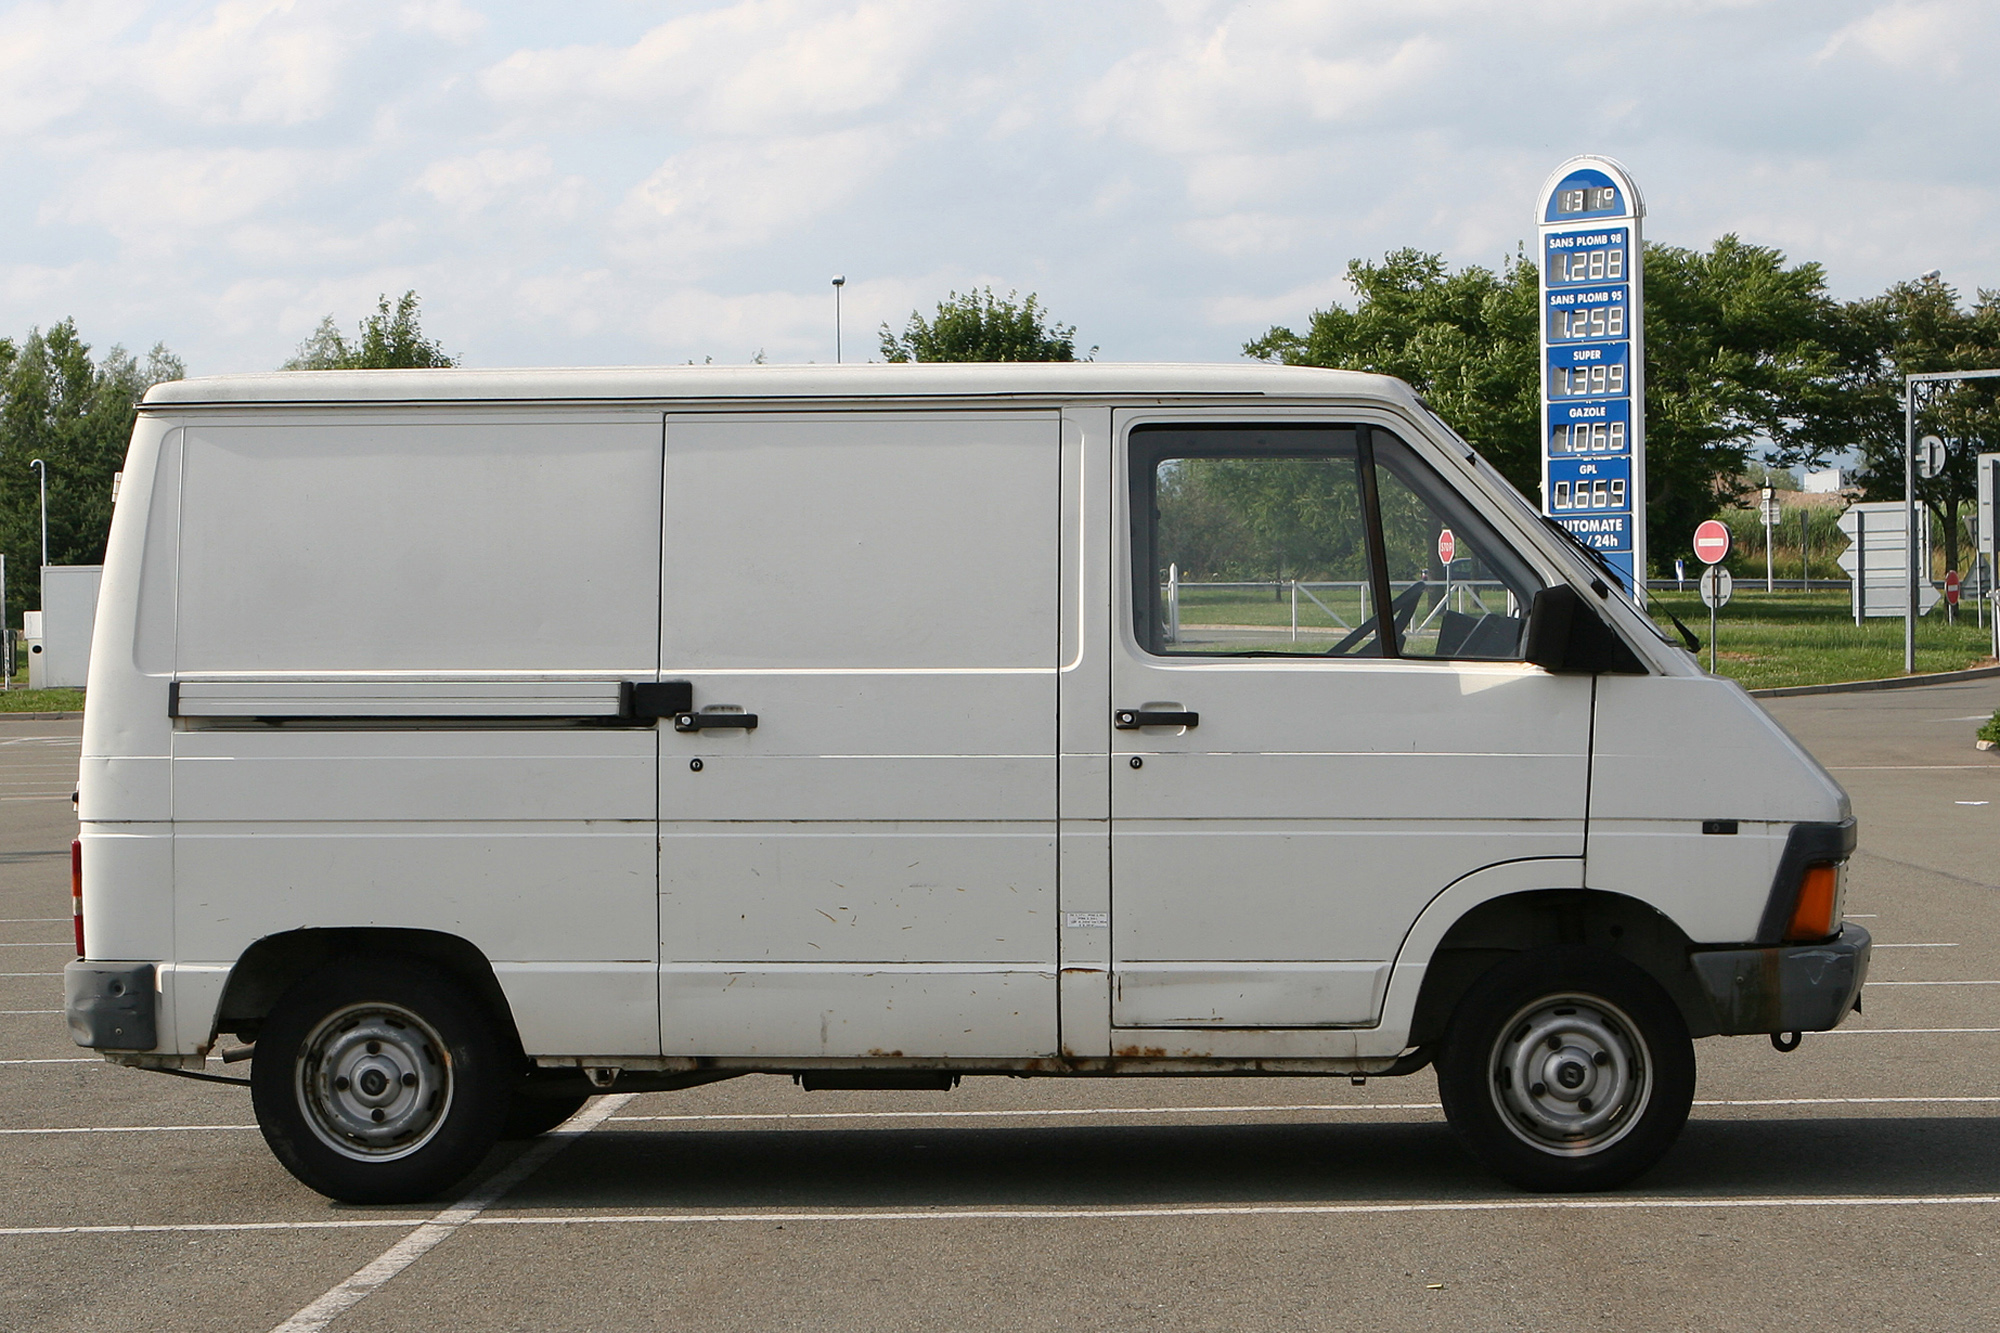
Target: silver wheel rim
[(374, 1081), (1570, 1074)]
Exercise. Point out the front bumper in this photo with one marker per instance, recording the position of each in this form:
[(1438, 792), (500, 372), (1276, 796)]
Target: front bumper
[(1785, 987), (111, 1006)]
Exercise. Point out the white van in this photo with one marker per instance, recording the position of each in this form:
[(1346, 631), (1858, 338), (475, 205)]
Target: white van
[(464, 743)]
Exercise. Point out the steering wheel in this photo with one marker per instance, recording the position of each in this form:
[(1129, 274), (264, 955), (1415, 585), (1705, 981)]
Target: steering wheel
[(1400, 612)]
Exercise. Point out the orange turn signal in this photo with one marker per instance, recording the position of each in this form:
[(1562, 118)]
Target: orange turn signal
[(1819, 894)]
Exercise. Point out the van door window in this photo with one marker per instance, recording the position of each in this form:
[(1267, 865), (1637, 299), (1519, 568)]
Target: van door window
[(1263, 541)]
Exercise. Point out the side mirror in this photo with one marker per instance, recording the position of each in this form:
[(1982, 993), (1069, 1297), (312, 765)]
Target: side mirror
[(1566, 634)]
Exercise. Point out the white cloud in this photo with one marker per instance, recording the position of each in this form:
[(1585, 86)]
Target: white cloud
[(765, 66), (519, 180), (1927, 39), (735, 195)]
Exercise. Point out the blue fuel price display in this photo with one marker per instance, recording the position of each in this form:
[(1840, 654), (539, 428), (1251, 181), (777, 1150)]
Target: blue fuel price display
[(1586, 256), (1595, 370), (1593, 362), (1586, 313)]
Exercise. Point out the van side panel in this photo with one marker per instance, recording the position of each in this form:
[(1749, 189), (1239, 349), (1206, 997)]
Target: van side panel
[(437, 561), (871, 870)]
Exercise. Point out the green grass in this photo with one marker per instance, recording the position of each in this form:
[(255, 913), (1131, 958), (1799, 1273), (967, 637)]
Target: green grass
[(1773, 639), (23, 700)]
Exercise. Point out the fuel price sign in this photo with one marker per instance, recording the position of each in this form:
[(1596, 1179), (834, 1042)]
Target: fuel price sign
[(1593, 361)]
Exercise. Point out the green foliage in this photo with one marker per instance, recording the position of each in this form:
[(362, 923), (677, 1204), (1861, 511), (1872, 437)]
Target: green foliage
[(1990, 730), (75, 414), (980, 327), (1278, 518), (1920, 327), (1467, 341), (1739, 347), (389, 339)]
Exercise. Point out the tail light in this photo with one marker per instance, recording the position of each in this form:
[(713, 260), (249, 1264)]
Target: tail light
[(1817, 913), (76, 889)]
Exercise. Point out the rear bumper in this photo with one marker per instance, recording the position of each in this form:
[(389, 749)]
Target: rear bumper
[(1785, 987), (112, 1006)]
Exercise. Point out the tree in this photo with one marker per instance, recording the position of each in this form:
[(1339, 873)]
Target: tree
[(1921, 328), (76, 415), (389, 339), (1739, 348), (980, 327)]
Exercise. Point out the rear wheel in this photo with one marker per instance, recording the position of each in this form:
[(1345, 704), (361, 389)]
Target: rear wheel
[(1567, 1069), (380, 1080)]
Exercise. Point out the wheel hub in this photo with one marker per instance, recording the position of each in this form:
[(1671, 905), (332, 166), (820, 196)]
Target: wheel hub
[(375, 1081), (1570, 1074)]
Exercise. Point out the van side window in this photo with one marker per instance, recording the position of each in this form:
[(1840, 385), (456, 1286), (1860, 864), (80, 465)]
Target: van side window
[(1313, 541)]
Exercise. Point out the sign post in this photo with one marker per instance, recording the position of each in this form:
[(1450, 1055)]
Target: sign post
[(1716, 585), (1711, 546), (1594, 363)]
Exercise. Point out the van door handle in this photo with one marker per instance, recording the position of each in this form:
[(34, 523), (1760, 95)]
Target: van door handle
[(1131, 719), (706, 721)]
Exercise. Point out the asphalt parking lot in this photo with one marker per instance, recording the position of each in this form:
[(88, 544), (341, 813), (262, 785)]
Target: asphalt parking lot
[(1854, 1183)]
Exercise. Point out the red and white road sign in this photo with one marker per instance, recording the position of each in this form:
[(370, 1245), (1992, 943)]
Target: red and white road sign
[(1951, 586), (1447, 545), (1711, 542)]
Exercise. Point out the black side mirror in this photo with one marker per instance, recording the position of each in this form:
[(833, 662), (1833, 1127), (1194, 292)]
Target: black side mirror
[(1566, 634)]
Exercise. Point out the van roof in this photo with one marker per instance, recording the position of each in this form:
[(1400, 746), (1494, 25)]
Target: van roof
[(947, 380)]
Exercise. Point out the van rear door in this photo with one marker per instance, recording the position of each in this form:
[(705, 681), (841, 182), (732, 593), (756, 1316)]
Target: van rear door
[(869, 870)]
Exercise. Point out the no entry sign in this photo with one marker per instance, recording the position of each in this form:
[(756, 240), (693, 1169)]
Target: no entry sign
[(1711, 542), (1447, 545)]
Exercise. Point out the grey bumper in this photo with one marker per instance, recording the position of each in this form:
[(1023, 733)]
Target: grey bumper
[(1786, 987), (110, 1005)]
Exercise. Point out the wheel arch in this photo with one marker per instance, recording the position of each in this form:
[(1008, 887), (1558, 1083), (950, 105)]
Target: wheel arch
[(1504, 910), (270, 966)]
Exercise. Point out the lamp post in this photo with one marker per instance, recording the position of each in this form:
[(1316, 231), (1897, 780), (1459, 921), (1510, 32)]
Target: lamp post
[(43, 469), (839, 281)]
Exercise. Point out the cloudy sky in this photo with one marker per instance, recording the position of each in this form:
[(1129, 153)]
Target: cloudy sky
[(609, 181)]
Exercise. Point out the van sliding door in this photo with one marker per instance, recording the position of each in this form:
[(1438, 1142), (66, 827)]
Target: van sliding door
[(857, 850)]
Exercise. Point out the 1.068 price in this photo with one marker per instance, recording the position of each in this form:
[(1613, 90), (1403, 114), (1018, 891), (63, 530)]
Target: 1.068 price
[(1599, 437)]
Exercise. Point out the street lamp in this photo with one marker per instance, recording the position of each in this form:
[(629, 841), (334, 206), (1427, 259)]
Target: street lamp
[(43, 469), (839, 281)]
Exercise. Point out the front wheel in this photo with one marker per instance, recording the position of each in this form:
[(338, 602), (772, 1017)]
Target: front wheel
[(380, 1080), (1567, 1069)]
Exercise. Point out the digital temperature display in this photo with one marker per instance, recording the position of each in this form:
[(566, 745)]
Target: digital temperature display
[(1590, 199)]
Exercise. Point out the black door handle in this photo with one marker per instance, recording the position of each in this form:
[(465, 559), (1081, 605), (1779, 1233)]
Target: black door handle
[(1131, 719), (705, 721)]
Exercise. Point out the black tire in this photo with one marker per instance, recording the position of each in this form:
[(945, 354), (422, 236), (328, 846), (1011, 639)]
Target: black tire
[(530, 1116), (380, 1080), (1566, 1069)]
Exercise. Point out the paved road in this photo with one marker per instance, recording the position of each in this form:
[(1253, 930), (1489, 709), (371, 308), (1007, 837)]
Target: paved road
[(1855, 1183)]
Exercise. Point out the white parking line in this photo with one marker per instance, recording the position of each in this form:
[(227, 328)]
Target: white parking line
[(419, 1242), (1559, 1205), (1887, 1032), (127, 1129), (1081, 1112)]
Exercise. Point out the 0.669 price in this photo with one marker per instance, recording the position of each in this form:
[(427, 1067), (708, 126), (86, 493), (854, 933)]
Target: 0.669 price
[(1601, 493)]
